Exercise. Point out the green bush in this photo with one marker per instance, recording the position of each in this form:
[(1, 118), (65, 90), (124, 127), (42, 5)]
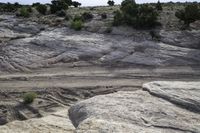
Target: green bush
[(36, 4), (118, 18), (87, 16), (68, 2), (29, 97), (77, 24), (190, 14), (24, 12), (78, 18), (103, 16), (8, 7), (137, 16), (41, 9), (61, 13), (111, 3), (58, 5)]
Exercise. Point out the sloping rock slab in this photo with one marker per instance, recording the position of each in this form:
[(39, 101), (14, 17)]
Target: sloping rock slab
[(185, 94), (55, 123), (132, 112)]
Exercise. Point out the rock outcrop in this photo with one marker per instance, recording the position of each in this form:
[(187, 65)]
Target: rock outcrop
[(140, 111), (31, 45), (57, 122), (184, 94)]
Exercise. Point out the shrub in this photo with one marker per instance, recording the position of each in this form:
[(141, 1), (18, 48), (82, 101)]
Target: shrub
[(77, 24), (8, 7), (61, 13), (17, 5), (87, 16), (36, 4), (190, 14), (111, 3), (137, 16), (159, 6), (58, 5), (67, 17), (118, 18), (41, 9), (29, 9), (76, 4), (24, 12), (29, 97), (103, 16), (68, 2)]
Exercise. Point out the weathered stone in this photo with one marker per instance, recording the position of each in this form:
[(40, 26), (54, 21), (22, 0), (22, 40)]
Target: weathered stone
[(185, 94), (57, 122), (187, 39), (133, 112)]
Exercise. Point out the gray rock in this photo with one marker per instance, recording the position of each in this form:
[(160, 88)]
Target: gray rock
[(132, 112), (187, 39), (195, 25), (28, 47), (184, 94), (57, 122)]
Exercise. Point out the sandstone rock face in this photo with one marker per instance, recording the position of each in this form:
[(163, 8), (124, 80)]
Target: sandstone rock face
[(195, 25), (187, 39), (185, 94), (140, 111), (57, 122), (30, 45)]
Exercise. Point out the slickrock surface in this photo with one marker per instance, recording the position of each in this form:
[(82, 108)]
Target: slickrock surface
[(185, 94), (65, 67), (54, 123), (31, 45), (139, 111)]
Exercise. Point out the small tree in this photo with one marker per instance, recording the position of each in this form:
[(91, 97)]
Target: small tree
[(76, 4), (35, 4), (58, 5), (190, 14), (68, 2), (137, 16), (87, 16), (41, 9), (159, 6), (111, 3), (118, 18)]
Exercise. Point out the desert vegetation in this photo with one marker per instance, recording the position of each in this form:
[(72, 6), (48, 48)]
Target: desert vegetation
[(137, 16), (189, 14), (54, 55), (111, 3), (29, 97), (41, 9)]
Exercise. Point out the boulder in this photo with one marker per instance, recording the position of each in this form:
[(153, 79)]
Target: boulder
[(187, 39), (139, 111), (57, 122), (184, 94)]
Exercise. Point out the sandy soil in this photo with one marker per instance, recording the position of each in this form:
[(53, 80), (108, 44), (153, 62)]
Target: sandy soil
[(62, 85)]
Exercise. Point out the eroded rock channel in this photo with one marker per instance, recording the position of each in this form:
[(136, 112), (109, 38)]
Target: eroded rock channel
[(65, 67)]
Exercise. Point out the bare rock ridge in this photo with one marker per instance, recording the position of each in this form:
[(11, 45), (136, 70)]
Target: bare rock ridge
[(140, 111), (25, 46), (180, 93), (124, 111), (65, 67), (57, 122)]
